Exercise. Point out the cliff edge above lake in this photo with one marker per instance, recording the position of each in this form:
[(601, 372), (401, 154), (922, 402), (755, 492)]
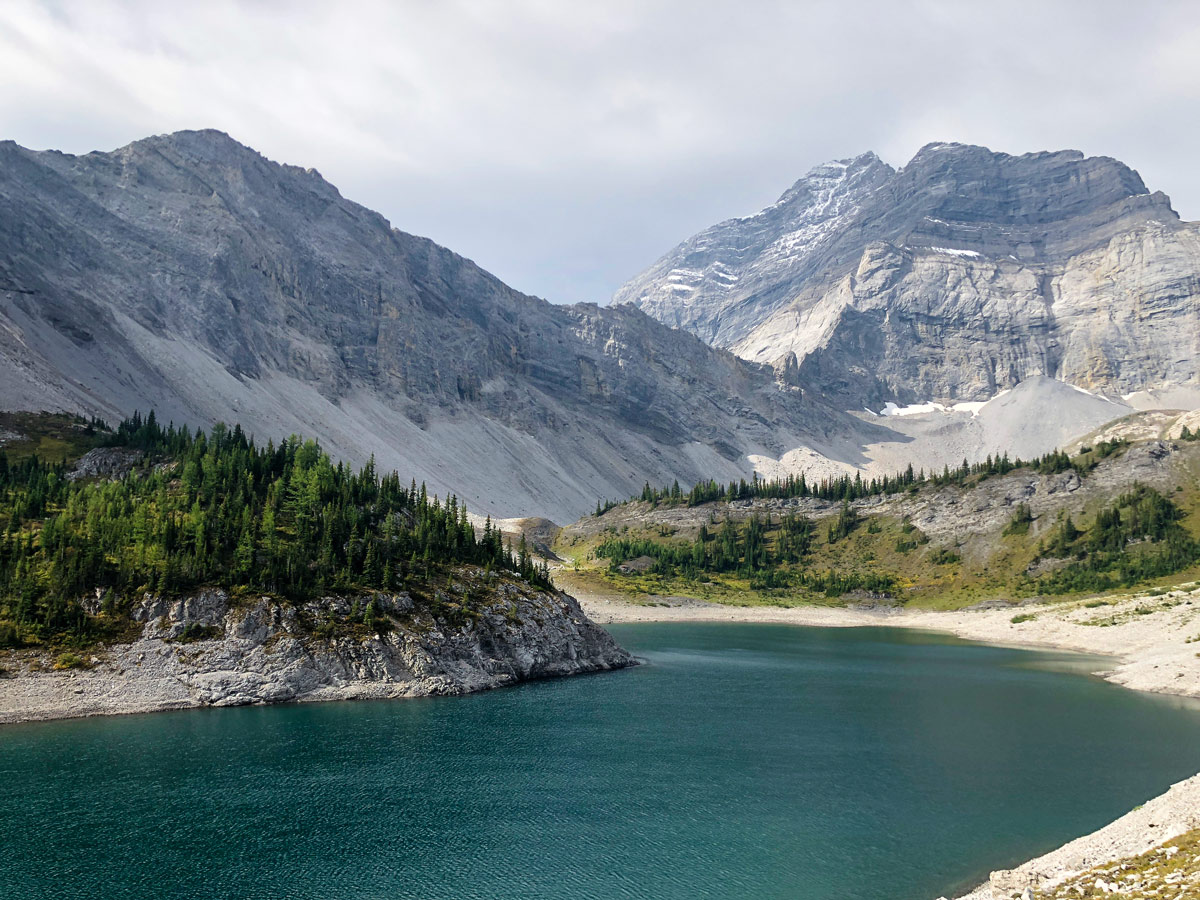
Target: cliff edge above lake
[(208, 649)]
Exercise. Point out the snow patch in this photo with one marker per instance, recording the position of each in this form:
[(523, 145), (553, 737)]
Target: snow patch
[(973, 254), (1076, 387), (971, 406), (915, 409)]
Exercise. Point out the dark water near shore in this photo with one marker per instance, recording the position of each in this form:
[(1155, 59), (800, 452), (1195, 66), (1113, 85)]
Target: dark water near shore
[(746, 761)]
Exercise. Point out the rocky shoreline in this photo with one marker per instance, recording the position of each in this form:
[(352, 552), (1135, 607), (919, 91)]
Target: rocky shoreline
[(209, 650), (1153, 641)]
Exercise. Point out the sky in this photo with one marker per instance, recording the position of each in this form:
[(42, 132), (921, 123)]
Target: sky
[(565, 146)]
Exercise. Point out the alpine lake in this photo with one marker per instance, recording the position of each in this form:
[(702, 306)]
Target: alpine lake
[(742, 761)]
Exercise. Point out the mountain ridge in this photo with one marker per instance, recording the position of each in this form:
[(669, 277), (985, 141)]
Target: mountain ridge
[(189, 274), (932, 260)]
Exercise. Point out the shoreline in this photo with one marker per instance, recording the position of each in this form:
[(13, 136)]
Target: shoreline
[(1152, 643), (1147, 637), (265, 652)]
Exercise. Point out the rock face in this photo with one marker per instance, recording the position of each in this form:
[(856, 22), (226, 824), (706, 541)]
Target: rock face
[(105, 462), (202, 650), (956, 277), (188, 274)]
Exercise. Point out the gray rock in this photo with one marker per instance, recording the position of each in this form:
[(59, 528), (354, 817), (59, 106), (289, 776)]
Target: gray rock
[(990, 604), (107, 462), (266, 651), (188, 274), (958, 276)]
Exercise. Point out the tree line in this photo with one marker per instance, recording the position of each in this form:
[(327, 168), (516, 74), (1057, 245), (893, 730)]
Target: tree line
[(845, 487), (212, 508)]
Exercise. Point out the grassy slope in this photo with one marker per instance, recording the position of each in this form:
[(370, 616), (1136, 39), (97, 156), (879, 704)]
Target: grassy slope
[(52, 436), (1170, 872), (991, 565)]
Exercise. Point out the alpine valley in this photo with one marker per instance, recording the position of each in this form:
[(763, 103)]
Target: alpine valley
[(242, 421)]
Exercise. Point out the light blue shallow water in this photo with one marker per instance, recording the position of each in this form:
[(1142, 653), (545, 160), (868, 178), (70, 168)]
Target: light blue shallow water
[(745, 761)]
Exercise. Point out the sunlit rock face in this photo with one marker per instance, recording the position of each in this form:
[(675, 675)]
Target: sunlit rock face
[(961, 275)]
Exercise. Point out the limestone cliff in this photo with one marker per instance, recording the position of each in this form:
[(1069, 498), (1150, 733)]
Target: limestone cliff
[(189, 274), (961, 275), (206, 650)]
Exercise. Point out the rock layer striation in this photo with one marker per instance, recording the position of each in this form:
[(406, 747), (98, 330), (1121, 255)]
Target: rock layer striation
[(204, 650), (961, 275), (189, 274)]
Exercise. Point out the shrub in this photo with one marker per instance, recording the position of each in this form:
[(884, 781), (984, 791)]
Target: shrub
[(10, 636), (944, 556), (1019, 523), (194, 631)]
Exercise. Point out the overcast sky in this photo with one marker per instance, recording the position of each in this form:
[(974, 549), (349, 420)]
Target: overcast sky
[(567, 145)]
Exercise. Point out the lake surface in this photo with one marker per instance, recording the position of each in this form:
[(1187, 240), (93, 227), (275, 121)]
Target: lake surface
[(744, 761)]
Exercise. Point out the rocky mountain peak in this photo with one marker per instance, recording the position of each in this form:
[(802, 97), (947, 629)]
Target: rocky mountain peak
[(835, 175), (698, 284), (956, 276), (1051, 201), (189, 274)]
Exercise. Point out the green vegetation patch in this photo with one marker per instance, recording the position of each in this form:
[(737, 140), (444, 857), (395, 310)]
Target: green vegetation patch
[(70, 661), (1137, 538), (281, 519), (1169, 872), (761, 555), (779, 556), (194, 631), (56, 437)]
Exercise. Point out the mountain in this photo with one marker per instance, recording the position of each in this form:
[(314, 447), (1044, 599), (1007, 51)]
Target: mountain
[(961, 275), (188, 274)]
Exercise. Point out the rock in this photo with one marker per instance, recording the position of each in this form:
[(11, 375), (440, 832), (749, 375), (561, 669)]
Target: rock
[(268, 651), (1013, 883), (107, 462), (222, 286), (638, 566), (956, 277), (990, 604)]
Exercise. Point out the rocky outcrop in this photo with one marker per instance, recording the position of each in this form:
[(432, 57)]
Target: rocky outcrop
[(207, 650), (188, 274), (105, 462), (1117, 859), (954, 278)]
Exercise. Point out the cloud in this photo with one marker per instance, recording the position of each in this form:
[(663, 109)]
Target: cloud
[(565, 146)]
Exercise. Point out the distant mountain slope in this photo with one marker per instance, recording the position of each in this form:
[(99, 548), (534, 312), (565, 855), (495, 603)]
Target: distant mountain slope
[(956, 277), (1111, 517), (189, 274)]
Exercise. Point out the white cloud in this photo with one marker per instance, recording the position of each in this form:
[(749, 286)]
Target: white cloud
[(566, 145)]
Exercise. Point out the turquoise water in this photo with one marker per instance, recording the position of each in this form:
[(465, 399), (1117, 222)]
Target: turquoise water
[(745, 761)]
